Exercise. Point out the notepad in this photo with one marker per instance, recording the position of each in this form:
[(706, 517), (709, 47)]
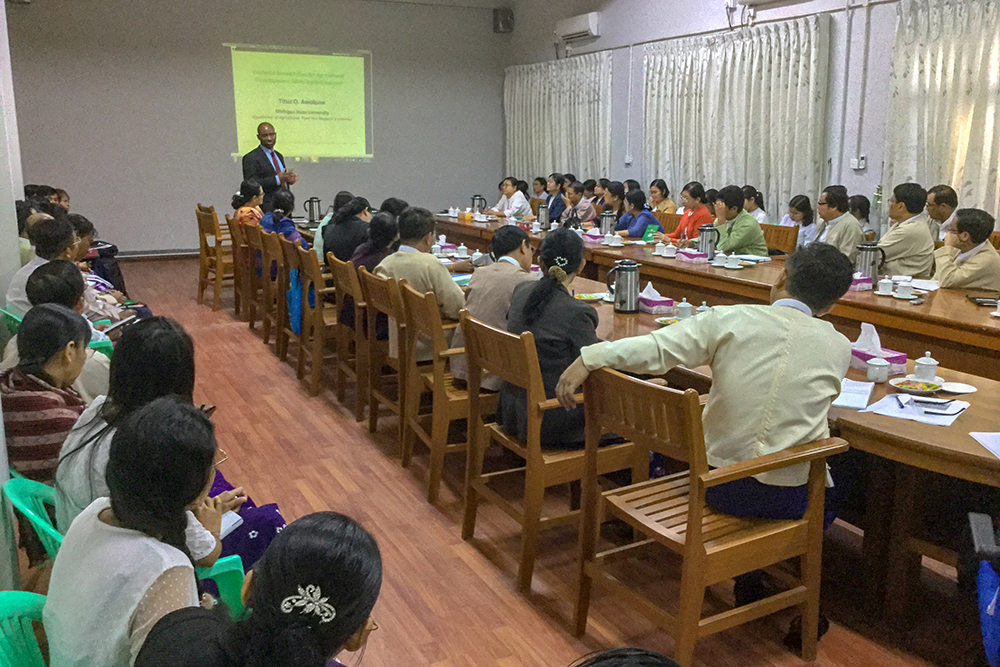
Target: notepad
[(230, 522), (854, 395), (990, 441)]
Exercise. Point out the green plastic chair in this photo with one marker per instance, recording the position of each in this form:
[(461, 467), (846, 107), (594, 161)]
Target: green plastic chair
[(15, 474), (227, 573), (10, 321), (18, 645)]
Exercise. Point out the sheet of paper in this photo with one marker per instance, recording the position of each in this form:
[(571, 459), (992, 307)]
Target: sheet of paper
[(926, 285), (230, 522), (854, 395), (990, 441), (753, 258), (902, 406)]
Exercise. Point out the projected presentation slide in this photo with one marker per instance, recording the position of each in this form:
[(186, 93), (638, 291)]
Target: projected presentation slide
[(317, 103)]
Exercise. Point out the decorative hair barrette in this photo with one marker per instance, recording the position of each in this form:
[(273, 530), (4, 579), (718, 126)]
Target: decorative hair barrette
[(310, 601), (561, 261)]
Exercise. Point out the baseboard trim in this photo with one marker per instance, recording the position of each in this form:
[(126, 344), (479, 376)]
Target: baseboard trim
[(156, 254)]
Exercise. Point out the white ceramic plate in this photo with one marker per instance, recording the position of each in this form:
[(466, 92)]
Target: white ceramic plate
[(895, 382), (733, 268), (588, 298), (958, 388), (877, 293), (895, 295)]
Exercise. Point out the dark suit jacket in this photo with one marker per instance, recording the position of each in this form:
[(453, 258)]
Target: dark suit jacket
[(257, 167)]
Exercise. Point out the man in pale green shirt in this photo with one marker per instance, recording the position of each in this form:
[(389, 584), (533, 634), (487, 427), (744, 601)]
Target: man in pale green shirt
[(739, 232)]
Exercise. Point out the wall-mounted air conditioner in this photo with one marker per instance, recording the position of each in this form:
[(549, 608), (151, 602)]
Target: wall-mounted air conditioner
[(584, 26)]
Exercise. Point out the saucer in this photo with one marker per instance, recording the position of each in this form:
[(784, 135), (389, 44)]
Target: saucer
[(733, 268), (896, 295), (877, 293)]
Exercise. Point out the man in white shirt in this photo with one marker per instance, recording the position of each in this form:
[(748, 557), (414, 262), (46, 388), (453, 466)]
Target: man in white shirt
[(53, 239), (908, 246), (942, 201), (513, 203), (838, 227), (775, 371)]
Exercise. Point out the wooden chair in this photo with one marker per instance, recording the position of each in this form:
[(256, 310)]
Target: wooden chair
[(274, 279), (671, 511), (350, 363), (534, 203), (256, 301), (285, 333), (423, 322), (781, 237), (995, 240), (669, 221), (514, 359), (382, 297), (600, 209), (216, 254), (240, 254), (319, 316), (870, 236)]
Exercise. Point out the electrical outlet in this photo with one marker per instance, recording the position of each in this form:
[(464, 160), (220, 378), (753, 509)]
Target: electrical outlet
[(628, 160), (862, 162)]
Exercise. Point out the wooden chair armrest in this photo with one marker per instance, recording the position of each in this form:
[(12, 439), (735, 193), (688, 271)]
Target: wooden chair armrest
[(812, 451), (453, 352), (553, 403), (325, 290)]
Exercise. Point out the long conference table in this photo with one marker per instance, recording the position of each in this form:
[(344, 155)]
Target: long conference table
[(957, 332), (903, 450)]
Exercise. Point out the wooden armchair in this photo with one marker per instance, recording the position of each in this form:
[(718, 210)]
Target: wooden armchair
[(216, 254), (256, 297), (669, 221), (671, 511), (382, 297), (274, 279), (533, 203), (423, 321), (241, 253), (781, 237), (515, 359), (350, 363), (319, 316)]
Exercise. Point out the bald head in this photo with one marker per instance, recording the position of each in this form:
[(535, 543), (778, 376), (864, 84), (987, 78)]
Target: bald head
[(266, 135)]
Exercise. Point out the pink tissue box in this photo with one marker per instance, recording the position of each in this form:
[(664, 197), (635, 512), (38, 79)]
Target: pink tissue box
[(897, 360), (593, 233), (692, 256), (862, 284), (448, 247), (660, 306)]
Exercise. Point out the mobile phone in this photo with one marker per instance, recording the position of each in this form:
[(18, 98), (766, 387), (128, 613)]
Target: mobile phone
[(984, 301), (121, 323)]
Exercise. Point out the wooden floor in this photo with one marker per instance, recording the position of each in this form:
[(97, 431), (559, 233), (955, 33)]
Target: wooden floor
[(446, 602)]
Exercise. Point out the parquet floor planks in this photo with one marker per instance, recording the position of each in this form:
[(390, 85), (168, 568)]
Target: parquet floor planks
[(446, 602)]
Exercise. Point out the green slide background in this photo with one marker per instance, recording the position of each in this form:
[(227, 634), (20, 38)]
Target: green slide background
[(315, 102)]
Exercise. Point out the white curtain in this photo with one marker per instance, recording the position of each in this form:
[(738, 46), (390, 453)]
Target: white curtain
[(558, 117), (744, 107), (944, 105)]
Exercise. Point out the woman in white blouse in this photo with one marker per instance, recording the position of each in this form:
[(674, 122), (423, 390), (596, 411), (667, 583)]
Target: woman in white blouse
[(124, 562), (800, 214), (753, 202), (513, 203)]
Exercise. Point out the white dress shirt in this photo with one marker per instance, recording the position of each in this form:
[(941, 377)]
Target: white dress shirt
[(516, 206)]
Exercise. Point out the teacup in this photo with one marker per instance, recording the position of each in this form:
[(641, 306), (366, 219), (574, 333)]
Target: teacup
[(904, 290), (670, 251), (885, 286), (732, 262), (617, 240), (878, 370), (608, 238), (537, 227), (463, 251), (660, 249)]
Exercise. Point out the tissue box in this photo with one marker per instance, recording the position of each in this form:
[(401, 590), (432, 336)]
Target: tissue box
[(656, 306), (593, 233), (448, 247), (692, 256), (861, 284), (897, 360)]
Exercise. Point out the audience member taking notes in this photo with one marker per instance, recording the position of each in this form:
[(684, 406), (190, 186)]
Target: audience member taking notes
[(908, 246), (637, 218), (967, 260), (838, 227), (739, 232)]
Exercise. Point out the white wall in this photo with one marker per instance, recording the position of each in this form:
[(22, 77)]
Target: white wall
[(128, 105), (631, 22)]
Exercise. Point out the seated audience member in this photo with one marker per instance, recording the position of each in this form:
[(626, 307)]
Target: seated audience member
[(631, 184), (27, 216), (599, 189), (279, 218), (626, 657), (568, 180), (60, 282), (739, 232), (382, 236), (561, 326), (101, 299), (341, 200), (753, 203), (659, 197), (488, 295), (52, 239), (800, 377), (246, 203), (39, 403), (942, 202), (347, 229), (695, 215), (308, 599), (62, 198), (637, 216), (968, 260), (555, 201), (522, 187), (125, 562), (860, 207), (589, 186), (578, 210), (800, 214), (538, 190), (614, 200), (423, 271), (908, 246), (513, 204), (393, 206), (503, 197), (838, 227), (41, 192)]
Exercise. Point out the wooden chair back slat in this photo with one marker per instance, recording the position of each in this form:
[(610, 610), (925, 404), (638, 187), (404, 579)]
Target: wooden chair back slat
[(781, 237), (345, 279), (500, 353), (669, 221), (423, 319), (534, 202), (208, 225), (312, 282), (290, 252), (600, 209), (382, 294)]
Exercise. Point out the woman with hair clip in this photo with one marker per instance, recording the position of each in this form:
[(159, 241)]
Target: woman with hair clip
[(383, 234), (310, 597), (561, 326), (247, 203), (154, 358), (279, 219), (659, 197), (800, 214), (754, 204), (124, 562), (487, 298), (347, 229)]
